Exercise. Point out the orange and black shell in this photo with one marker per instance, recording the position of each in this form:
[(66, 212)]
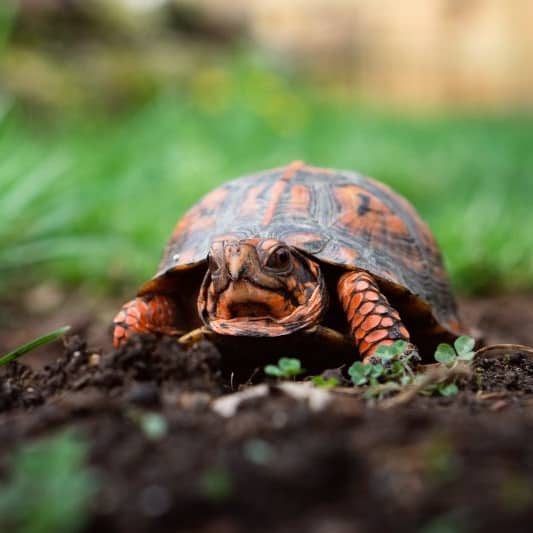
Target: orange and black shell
[(335, 216)]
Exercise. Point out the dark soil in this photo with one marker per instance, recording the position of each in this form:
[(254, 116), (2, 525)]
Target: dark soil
[(279, 463)]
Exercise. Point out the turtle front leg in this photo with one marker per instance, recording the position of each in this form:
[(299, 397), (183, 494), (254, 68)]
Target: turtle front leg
[(373, 321), (145, 314)]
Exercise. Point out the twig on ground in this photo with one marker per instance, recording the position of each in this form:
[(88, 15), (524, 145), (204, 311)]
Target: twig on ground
[(431, 377)]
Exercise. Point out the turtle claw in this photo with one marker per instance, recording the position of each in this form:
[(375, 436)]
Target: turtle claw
[(194, 336), (411, 354), (372, 360)]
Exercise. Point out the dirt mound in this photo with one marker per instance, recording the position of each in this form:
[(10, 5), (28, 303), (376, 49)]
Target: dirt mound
[(279, 463)]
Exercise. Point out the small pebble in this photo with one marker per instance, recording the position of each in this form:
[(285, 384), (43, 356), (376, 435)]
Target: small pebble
[(144, 394), (155, 500), (94, 359), (499, 405), (194, 400), (258, 451)]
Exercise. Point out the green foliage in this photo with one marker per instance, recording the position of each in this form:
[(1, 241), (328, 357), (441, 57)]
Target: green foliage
[(287, 367), (391, 372), (258, 451), (154, 425), (216, 483), (95, 199), (362, 374), (49, 487), (394, 370), (449, 356), (447, 389), (329, 383), (445, 354), (35, 343), (7, 17), (462, 350)]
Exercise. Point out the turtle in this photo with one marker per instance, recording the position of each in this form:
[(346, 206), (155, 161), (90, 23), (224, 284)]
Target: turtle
[(285, 250)]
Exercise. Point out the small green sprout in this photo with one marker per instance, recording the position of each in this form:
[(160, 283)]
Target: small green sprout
[(35, 343), (393, 351), (154, 425), (287, 367), (329, 383), (447, 389), (216, 483), (258, 451), (362, 374), (393, 372), (462, 350), (50, 486)]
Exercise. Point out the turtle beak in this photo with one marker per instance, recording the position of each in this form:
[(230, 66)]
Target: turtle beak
[(236, 259), (236, 268)]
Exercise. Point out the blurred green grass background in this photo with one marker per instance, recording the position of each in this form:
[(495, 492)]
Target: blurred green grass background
[(90, 196), (99, 198)]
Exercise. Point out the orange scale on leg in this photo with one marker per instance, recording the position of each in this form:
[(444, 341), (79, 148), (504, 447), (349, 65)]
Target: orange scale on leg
[(356, 322), (352, 312), (154, 306), (131, 320), (359, 334), (133, 311), (361, 286), (121, 317), (387, 322), (404, 332), (381, 309), (141, 306), (356, 300), (363, 347), (376, 335), (371, 322), (119, 335), (366, 308), (145, 314), (371, 296)]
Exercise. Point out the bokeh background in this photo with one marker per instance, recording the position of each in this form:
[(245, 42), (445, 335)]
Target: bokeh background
[(116, 115)]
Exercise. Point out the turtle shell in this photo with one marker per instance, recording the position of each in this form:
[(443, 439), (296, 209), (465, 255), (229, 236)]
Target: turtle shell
[(338, 217)]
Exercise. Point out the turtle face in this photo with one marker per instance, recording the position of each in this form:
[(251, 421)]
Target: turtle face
[(259, 287)]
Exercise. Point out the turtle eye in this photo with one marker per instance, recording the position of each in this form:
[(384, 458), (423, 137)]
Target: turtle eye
[(280, 259)]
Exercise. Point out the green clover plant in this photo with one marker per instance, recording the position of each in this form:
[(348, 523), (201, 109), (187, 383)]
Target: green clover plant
[(287, 367), (462, 350), (391, 369)]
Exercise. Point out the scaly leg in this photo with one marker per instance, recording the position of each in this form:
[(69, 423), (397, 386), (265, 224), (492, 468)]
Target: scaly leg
[(373, 321), (145, 314)]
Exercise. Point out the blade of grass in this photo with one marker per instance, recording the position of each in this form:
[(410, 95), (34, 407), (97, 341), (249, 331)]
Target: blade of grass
[(31, 186), (35, 343)]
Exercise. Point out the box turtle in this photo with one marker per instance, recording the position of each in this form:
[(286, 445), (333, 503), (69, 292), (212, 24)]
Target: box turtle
[(287, 249)]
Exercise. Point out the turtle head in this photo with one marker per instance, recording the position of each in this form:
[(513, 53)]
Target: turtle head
[(260, 287)]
